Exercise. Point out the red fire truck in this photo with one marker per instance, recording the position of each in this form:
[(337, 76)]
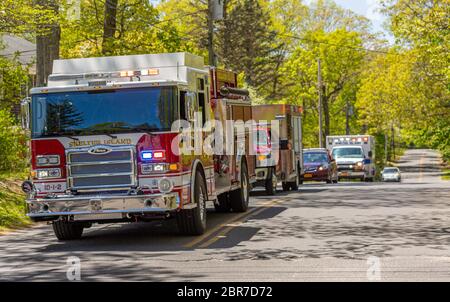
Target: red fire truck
[(102, 143), (279, 151)]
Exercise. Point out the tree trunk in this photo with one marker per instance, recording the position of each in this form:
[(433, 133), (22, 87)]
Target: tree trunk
[(109, 25), (47, 45)]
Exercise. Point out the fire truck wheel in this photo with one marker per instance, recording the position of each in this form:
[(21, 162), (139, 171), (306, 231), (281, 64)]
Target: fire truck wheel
[(223, 203), (271, 183), (239, 198), (193, 221), (65, 230), (295, 184)]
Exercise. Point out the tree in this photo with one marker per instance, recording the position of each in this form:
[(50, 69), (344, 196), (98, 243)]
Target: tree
[(109, 25), (251, 47), (138, 28), (13, 82), (23, 17), (47, 43), (424, 24), (341, 55)]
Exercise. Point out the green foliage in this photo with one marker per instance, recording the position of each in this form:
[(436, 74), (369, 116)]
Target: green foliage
[(425, 25), (139, 30), (249, 43), (12, 205), (13, 82), (24, 16), (12, 144)]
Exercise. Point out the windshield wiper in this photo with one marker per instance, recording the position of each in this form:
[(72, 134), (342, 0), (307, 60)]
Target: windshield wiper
[(62, 135), (72, 137), (110, 135)]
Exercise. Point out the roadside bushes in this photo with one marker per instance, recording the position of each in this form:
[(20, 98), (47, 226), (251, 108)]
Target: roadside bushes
[(12, 143)]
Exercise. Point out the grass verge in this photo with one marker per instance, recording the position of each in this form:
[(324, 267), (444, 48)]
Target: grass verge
[(446, 174), (12, 201)]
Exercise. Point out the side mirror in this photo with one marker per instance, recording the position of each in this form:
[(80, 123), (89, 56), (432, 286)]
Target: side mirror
[(25, 113)]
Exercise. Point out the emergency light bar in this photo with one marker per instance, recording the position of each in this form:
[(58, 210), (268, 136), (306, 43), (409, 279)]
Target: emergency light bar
[(149, 155), (105, 75), (349, 140)]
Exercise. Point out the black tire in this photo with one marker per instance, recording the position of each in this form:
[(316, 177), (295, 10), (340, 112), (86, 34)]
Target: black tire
[(269, 185), (286, 186), (295, 184), (239, 198), (335, 181), (223, 203), (65, 230), (193, 221)]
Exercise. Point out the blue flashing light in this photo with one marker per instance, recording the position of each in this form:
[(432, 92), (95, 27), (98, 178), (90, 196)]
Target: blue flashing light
[(146, 155)]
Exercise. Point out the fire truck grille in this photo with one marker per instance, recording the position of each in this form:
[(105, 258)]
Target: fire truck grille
[(114, 169)]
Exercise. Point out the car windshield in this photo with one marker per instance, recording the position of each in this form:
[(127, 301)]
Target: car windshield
[(348, 153), (262, 138), (390, 170), (97, 112), (315, 157)]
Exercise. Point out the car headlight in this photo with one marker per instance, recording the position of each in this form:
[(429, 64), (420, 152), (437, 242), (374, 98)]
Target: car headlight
[(47, 160), (165, 185), (321, 168), (48, 173)]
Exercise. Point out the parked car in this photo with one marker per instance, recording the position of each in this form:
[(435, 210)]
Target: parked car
[(319, 165), (391, 174)]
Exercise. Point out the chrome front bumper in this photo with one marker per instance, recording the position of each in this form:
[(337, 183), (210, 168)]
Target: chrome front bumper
[(351, 174), (102, 205)]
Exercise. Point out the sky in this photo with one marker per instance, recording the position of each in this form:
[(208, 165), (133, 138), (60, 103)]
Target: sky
[(367, 8)]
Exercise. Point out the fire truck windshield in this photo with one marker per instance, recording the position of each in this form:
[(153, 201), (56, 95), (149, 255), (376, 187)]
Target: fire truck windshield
[(106, 111)]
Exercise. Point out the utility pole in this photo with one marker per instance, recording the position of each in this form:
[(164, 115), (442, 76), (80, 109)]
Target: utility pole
[(211, 54), (393, 142), (319, 77), (386, 138), (347, 117)]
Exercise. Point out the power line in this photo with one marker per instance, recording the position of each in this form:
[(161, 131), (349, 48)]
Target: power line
[(337, 45)]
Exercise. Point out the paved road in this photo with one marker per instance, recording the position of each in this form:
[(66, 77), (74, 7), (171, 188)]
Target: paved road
[(345, 232)]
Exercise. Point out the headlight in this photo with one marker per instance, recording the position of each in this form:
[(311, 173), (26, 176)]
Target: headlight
[(47, 160), (153, 168), (165, 185), (48, 173), (321, 168), (360, 164)]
